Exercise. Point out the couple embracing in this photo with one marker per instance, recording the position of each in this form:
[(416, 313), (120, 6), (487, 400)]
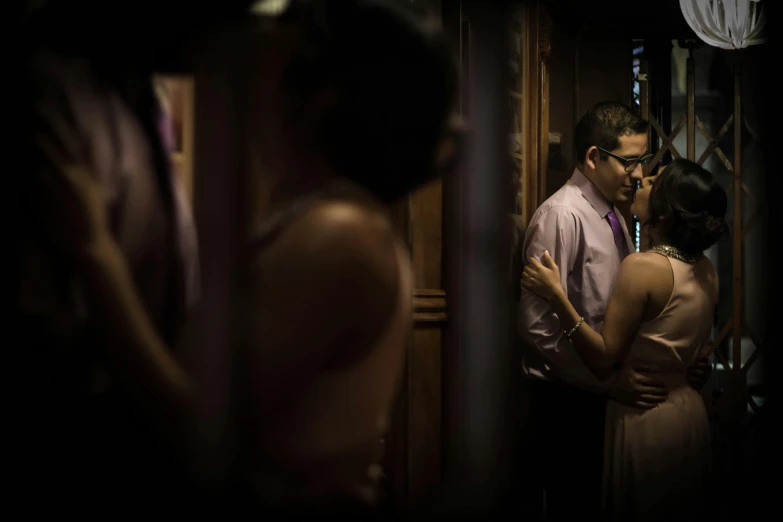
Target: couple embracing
[(617, 342)]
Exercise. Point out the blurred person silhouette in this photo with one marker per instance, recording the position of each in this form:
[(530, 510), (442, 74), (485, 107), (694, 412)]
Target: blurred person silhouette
[(367, 89), (87, 403)]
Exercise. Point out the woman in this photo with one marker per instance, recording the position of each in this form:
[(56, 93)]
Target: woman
[(352, 113), (660, 314)]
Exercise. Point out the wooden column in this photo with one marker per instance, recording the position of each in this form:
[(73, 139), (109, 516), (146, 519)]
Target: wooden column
[(490, 371)]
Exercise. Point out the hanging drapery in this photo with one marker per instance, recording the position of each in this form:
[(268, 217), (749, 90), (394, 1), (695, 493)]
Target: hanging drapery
[(268, 7), (728, 24)]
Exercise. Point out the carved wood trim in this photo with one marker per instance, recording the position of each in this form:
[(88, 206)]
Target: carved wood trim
[(538, 25), (544, 51), (519, 94), (429, 306), (544, 34), (533, 60)]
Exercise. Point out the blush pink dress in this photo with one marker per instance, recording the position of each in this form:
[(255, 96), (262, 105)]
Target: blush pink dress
[(657, 461)]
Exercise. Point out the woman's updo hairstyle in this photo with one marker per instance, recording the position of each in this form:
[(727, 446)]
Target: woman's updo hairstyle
[(689, 207), (393, 82)]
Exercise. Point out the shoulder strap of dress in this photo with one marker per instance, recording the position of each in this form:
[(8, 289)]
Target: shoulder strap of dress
[(268, 229)]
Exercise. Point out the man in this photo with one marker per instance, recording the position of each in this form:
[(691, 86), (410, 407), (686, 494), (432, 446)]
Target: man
[(584, 232), (87, 91)]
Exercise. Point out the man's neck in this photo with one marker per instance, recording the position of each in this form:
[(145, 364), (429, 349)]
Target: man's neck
[(590, 175)]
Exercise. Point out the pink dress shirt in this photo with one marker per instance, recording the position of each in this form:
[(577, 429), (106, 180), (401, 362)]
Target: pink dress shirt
[(573, 227), (95, 126)]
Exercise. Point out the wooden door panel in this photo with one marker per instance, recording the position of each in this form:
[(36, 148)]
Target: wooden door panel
[(414, 447), (425, 357), (426, 236), (428, 433), (424, 412)]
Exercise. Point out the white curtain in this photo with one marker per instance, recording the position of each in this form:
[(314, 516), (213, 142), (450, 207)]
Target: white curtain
[(268, 7), (728, 24)]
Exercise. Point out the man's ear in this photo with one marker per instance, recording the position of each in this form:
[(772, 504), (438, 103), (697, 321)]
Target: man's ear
[(591, 156)]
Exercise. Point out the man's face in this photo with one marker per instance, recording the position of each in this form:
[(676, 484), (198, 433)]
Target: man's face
[(610, 175)]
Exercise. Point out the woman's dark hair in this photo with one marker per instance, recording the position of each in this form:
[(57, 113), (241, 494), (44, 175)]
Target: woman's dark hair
[(689, 207), (395, 81)]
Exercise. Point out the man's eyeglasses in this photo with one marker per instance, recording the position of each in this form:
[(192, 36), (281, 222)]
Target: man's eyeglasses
[(629, 164)]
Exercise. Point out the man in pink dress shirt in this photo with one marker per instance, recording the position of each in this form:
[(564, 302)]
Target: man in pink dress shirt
[(586, 235), (85, 437)]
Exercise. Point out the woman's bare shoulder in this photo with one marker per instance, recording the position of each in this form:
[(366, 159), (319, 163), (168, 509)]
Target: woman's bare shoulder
[(334, 231), (346, 232), (336, 268), (644, 270), (644, 260)]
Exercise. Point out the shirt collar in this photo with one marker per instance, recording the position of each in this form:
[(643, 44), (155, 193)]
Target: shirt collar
[(591, 193)]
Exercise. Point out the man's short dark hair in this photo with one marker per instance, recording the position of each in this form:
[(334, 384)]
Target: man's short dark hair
[(603, 125)]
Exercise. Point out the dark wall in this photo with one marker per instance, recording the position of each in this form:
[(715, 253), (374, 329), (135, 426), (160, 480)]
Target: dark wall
[(587, 65), (634, 18), (562, 106), (605, 63), (767, 92)]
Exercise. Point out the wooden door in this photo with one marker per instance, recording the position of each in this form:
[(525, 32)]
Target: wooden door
[(414, 448), (429, 442), (414, 445)]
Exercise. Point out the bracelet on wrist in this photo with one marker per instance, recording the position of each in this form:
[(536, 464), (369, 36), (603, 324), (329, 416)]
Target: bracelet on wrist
[(573, 329)]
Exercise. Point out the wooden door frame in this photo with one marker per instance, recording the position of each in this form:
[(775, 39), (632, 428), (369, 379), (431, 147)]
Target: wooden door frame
[(426, 445), (538, 28)]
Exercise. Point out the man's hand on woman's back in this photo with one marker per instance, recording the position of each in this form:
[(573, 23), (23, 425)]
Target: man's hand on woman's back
[(634, 388)]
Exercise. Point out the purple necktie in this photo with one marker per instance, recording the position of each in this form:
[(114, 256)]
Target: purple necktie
[(617, 232)]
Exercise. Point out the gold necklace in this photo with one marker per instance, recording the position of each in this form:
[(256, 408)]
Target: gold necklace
[(670, 251)]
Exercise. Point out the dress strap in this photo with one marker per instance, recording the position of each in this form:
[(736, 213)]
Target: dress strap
[(269, 228)]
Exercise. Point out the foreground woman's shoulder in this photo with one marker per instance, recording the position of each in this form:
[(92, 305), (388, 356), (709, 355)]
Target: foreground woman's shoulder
[(345, 230)]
